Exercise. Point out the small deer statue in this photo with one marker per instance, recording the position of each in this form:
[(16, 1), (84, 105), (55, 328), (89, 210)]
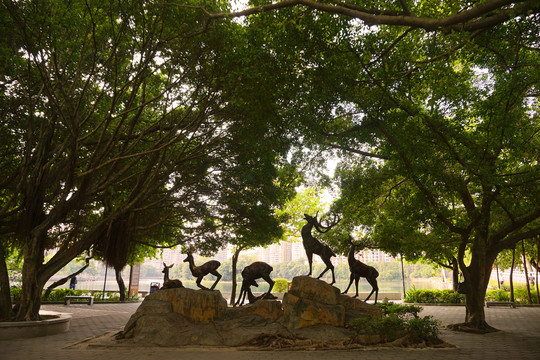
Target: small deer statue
[(251, 273), (314, 246), (358, 269), (209, 267), (168, 283)]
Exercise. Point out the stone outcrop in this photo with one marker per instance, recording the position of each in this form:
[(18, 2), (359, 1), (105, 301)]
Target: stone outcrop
[(198, 306), (311, 310), (312, 302)]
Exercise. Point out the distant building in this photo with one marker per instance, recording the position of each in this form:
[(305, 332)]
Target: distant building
[(375, 256)]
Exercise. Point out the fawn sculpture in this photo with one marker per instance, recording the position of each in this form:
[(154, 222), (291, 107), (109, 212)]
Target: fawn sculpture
[(209, 267), (251, 273), (314, 246), (168, 283), (358, 269)]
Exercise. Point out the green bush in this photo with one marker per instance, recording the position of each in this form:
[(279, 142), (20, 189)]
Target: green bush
[(60, 294), (398, 323), (15, 292), (497, 295), (521, 297), (415, 295), (280, 286), (399, 310), (425, 328)]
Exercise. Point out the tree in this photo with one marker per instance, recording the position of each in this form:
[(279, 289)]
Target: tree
[(119, 120), (442, 123)]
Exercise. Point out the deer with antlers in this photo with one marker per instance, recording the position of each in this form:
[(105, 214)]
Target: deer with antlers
[(251, 273), (358, 269), (168, 283), (314, 246), (209, 267)]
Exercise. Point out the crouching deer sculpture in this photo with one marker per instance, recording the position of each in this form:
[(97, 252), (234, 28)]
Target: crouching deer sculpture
[(251, 273), (209, 267), (314, 246), (168, 283), (358, 269)]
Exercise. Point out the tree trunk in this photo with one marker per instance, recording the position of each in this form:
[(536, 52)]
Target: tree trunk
[(30, 302), (476, 278), (32, 281), (233, 274), (455, 274), (537, 268), (512, 275), (526, 272), (121, 284), (5, 299)]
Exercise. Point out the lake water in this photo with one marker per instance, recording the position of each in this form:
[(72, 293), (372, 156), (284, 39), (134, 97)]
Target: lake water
[(225, 286)]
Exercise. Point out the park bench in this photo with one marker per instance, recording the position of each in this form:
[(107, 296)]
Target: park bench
[(68, 298), (501, 303)]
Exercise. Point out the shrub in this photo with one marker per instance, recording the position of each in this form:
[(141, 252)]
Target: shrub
[(16, 293), (521, 297), (497, 295), (280, 286), (399, 310), (399, 321), (59, 294), (415, 295)]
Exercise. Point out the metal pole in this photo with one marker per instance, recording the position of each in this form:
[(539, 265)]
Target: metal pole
[(403, 277), (104, 282)]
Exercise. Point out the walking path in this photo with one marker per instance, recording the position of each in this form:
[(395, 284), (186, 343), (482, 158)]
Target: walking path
[(519, 338)]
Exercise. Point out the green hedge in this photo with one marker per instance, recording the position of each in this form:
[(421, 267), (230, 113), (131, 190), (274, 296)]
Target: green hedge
[(415, 295), (60, 294)]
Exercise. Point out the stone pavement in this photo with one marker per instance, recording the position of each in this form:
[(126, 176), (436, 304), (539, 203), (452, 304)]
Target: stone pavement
[(519, 338)]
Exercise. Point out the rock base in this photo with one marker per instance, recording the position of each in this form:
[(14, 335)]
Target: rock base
[(312, 311)]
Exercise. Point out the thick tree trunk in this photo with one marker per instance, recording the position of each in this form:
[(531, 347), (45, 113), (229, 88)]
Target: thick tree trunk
[(6, 312), (30, 302), (121, 284), (32, 281), (476, 277)]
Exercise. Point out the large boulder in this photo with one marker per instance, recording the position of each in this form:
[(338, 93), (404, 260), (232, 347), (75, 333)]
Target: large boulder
[(306, 287), (312, 302), (202, 306), (356, 308)]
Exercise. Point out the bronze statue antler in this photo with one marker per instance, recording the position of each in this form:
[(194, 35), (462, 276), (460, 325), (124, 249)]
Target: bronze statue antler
[(328, 227)]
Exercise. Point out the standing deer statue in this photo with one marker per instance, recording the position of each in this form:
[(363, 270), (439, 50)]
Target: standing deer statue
[(251, 273), (358, 269), (314, 246), (209, 267), (168, 283)]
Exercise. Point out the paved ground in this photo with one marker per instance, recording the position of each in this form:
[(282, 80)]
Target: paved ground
[(519, 338)]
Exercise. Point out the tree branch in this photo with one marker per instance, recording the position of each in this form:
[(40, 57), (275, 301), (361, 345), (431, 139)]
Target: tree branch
[(484, 15)]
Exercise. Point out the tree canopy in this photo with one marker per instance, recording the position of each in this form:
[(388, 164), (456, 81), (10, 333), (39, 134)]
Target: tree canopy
[(128, 121), (121, 124)]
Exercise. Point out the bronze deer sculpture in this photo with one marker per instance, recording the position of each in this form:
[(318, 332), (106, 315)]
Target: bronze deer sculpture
[(358, 269), (168, 283), (251, 273), (209, 267), (314, 246)]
